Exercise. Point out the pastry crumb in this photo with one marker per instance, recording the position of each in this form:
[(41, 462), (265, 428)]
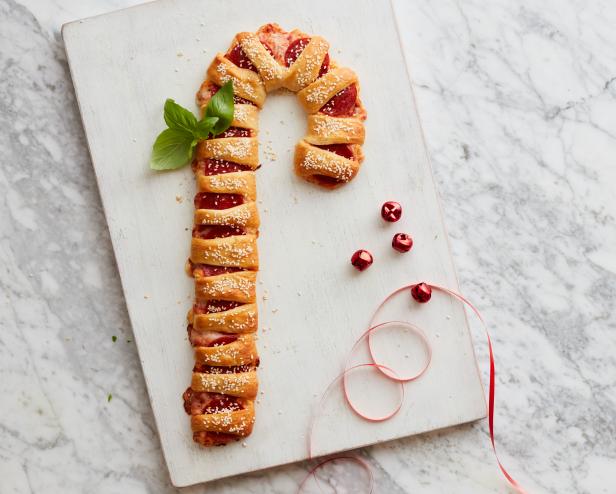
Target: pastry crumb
[(179, 199), (180, 54)]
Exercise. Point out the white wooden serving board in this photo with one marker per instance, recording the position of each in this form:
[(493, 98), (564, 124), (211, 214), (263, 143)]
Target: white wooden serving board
[(124, 65)]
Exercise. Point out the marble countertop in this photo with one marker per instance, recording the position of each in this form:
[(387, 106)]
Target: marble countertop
[(518, 102)]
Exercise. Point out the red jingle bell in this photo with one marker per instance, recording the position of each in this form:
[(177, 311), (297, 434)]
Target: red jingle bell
[(361, 260), (421, 292), (402, 242), (391, 211)]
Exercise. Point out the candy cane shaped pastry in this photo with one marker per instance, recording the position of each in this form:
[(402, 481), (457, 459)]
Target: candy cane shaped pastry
[(224, 260)]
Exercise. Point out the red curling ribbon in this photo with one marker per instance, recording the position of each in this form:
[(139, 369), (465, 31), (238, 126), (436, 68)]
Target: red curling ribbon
[(492, 393), (391, 374)]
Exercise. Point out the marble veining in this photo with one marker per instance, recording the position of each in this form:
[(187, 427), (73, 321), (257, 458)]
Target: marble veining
[(518, 103)]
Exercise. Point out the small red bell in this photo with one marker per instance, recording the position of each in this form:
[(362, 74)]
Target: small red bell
[(421, 292), (402, 242), (361, 259), (391, 211)]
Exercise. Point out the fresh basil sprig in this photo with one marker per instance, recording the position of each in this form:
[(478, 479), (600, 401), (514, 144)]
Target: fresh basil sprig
[(174, 146)]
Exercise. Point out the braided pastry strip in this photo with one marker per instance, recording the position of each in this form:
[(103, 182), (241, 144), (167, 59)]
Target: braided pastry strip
[(224, 259)]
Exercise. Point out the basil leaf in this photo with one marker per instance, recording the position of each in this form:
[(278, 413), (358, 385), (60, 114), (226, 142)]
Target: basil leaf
[(221, 106), (172, 149), (178, 117), (204, 127)]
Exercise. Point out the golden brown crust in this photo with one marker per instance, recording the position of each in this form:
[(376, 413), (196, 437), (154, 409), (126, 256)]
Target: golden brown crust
[(306, 68), (246, 117), (240, 384), (242, 351), (236, 287), (244, 216), (238, 422), (242, 150), (271, 72), (323, 130), (313, 163), (237, 251), (314, 96), (246, 83), (242, 319), (243, 183)]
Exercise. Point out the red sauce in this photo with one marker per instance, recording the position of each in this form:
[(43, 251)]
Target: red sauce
[(342, 104), (212, 306), (195, 401), (223, 340), (223, 403), (217, 231), (210, 270), (202, 402), (206, 438), (234, 369), (214, 200), (325, 180), (234, 132), (239, 58), (210, 166), (236, 99), (343, 150), (296, 48)]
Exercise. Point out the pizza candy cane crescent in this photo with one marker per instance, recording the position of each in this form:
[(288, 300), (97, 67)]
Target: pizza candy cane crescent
[(224, 260)]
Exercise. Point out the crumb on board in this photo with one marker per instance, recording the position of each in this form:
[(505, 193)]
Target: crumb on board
[(179, 199)]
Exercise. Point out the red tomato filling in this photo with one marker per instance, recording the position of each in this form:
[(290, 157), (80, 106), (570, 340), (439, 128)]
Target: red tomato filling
[(206, 438), (217, 231), (342, 104), (209, 338), (202, 402), (212, 306), (343, 150), (211, 166), (223, 403), (210, 270), (223, 340), (239, 58), (325, 180), (296, 48), (214, 200)]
